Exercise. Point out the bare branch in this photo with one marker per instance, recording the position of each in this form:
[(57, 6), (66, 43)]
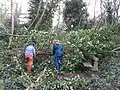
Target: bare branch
[(41, 17), (39, 7)]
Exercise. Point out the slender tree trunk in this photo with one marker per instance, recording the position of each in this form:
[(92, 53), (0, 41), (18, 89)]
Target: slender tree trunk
[(12, 23), (94, 14)]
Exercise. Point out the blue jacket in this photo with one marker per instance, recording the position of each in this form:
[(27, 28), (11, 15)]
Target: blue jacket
[(30, 51), (57, 49)]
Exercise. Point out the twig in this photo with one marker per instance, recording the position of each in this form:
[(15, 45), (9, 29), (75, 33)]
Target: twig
[(115, 49)]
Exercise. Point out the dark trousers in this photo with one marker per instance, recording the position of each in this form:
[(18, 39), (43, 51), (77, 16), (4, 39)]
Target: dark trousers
[(58, 62)]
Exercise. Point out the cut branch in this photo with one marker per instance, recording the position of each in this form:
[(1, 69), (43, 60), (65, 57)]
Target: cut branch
[(37, 80), (14, 35)]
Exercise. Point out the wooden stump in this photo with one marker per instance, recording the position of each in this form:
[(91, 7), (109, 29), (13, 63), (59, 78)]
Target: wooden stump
[(95, 67)]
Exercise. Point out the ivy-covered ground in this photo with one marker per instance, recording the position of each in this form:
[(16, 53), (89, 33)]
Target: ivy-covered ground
[(109, 76)]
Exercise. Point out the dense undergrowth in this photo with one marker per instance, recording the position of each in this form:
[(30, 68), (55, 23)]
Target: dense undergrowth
[(79, 46)]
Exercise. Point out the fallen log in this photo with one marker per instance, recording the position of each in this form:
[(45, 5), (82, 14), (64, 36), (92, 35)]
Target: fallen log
[(21, 52)]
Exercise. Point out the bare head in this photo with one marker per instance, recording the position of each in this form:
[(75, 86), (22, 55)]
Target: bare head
[(55, 41)]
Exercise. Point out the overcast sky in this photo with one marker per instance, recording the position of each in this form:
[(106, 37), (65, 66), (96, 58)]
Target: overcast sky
[(90, 4)]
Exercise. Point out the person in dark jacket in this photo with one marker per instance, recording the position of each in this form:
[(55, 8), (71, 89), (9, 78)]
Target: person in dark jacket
[(30, 55), (58, 54)]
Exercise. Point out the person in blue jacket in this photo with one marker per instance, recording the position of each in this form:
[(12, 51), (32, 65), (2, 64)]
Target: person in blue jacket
[(58, 54)]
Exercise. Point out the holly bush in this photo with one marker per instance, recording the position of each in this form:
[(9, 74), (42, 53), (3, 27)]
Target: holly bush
[(84, 44)]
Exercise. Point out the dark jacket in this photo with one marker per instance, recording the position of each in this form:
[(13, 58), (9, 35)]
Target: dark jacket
[(57, 49)]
